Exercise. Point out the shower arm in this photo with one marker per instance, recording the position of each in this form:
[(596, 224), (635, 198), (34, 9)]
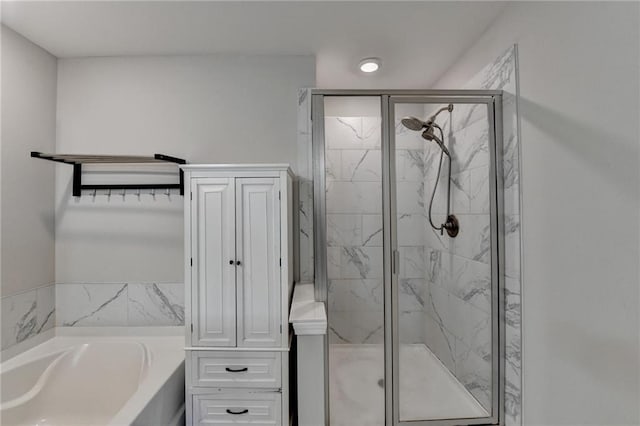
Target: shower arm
[(432, 119)]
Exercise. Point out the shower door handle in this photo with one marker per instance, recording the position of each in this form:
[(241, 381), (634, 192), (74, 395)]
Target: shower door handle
[(395, 262)]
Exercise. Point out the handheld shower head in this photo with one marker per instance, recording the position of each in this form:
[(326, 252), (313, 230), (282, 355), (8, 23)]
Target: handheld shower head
[(415, 124), (430, 135)]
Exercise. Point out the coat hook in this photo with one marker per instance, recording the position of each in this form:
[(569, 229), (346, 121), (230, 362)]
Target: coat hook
[(138, 194), (109, 195), (153, 194), (124, 193), (168, 193), (95, 191)]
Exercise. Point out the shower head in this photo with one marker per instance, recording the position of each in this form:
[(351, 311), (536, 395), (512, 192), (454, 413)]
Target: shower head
[(414, 124)]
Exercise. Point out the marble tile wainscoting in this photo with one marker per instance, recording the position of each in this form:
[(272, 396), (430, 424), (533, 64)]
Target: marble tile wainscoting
[(119, 304), (27, 314)]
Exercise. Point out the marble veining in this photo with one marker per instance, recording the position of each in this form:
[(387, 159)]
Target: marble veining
[(412, 262), (305, 233), (361, 262), (125, 304), (411, 294), (91, 305), (360, 327), (361, 165), (156, 304), (501, 74), (352, 132), (27, 314), (354, 229), (344, 230), (372, 230), (410, 165), (45, 308), (473, 372), (26, 325), (356, 295), (303, 187), (469, 148)]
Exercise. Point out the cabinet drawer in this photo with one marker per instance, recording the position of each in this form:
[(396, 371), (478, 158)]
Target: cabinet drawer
[(236, 369), (237, 408)]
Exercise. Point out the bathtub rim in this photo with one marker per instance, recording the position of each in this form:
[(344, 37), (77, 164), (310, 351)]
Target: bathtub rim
[(166, 343), (146, 331)]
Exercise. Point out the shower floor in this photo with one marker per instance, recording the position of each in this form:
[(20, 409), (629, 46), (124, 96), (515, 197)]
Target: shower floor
[(427, 389)]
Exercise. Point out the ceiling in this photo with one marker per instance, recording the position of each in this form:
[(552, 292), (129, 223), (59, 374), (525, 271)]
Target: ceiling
[(417, 41)]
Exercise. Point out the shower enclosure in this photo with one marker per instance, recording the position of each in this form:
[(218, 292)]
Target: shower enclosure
[(415, 334)]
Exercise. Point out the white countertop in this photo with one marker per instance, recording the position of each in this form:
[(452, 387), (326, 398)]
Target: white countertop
[(307, 316)]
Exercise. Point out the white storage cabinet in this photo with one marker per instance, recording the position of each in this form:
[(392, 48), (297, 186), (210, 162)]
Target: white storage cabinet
[(239, 283)]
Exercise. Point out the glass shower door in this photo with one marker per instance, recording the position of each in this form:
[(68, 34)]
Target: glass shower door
[(354, 253), (444, 238)]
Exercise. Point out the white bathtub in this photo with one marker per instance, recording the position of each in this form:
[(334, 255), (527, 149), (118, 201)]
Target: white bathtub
[(90, 380)]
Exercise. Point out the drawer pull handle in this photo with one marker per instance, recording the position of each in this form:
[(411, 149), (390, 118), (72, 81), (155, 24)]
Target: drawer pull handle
[(236, 370), (245, 411)]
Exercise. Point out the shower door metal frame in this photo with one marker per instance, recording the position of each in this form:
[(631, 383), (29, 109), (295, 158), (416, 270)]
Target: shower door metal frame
[(388, 99), (493, 104)]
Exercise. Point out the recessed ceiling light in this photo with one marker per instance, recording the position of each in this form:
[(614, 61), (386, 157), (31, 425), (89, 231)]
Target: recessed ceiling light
[(369, 65)]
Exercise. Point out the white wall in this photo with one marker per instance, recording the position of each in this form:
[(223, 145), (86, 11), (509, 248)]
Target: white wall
[(579, 86), (206, 109), (28, 124)]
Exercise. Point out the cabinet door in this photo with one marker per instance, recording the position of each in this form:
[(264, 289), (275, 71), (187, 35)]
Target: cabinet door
[(258, 245), (213, 253)]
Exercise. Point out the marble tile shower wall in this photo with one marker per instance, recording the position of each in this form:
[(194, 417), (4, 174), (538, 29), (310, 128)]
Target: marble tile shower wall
[(27, 314), (458, 273), (457, 315), (502, 74), (304, 183), (119, 304), (354, 229), (411, 219)]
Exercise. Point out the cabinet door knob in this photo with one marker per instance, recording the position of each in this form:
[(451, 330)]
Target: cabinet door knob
[(231, 262), (238, 262)]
